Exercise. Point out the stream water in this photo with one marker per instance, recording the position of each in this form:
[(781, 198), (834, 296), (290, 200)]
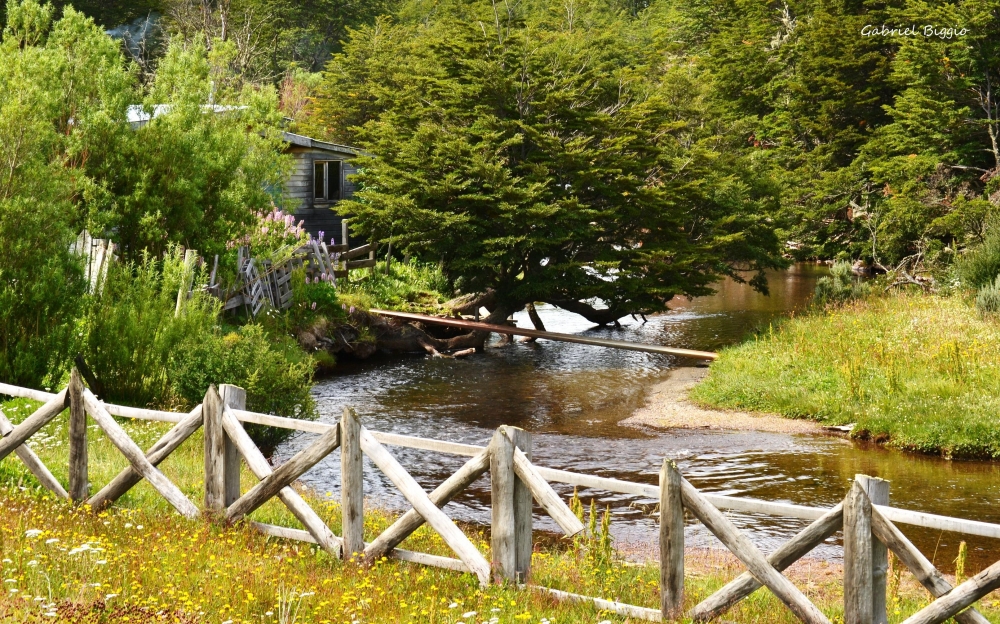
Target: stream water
[(572, 397)]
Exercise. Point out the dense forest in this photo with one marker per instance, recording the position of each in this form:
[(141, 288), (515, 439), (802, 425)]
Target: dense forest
[(604, 156)]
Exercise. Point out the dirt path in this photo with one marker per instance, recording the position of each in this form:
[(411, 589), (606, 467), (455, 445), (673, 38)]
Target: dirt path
[(667, 406)]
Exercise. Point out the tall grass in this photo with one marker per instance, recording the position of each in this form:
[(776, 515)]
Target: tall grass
[(917, 372)]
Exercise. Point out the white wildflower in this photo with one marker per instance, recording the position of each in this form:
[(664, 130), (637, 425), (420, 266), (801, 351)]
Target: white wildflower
[(32, 533)]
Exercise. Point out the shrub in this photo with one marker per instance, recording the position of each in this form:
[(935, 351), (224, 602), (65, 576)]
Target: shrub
[(840, 286), (131, 327), (410, 286), (276, 374), (981, 264), (988, 298)]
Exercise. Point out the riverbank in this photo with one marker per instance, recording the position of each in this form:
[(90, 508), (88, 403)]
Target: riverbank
[(668, 406), (914, 372)]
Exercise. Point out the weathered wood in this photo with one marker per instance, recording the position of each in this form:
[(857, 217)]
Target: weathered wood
[(258, 465), (236, 398), (136, 458), (959, 598), (78, 479), (357, 251), (215, 466), (878, 493), (129, 477), (619, 608), (857, 557), (921, 568), (442, 494), (361, 264), (751, 557), (285, 475), (789, 552), (30, 425), (671, 542), (519, 331), (352, 484), (543, 493), (32, 462), (436, 518), (523, 515), (426, 444), (503, 536), (434, 561)]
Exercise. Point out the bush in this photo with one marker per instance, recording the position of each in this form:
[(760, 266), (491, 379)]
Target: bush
[(411, 286), (276, 374), (840, 286), (131, 327), (981, 264), (988, 298)]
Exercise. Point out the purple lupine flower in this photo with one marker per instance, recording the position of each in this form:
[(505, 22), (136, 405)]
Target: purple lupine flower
[(352, 310), (320, 237), (314, 305)]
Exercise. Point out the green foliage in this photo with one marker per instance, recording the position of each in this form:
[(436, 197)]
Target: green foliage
[(980, 265), (270, 36), (414, 286), (606, 182), (192, 175), (131, 330), (988, 298), (916, 372), (275, 372), (841, 285)]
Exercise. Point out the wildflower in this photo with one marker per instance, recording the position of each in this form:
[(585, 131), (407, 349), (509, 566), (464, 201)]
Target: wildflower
[(314, 305), (469, 614), (32, 563), (32, 533), (52, 540), (110, 596)]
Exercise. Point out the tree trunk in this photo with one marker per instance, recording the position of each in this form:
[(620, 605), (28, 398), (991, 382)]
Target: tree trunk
[(589, 312)]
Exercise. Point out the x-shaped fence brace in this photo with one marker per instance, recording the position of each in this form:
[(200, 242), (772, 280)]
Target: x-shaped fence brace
[(515, 481), (861, 523)]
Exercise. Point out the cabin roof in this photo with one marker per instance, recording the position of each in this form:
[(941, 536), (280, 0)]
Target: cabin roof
[(304, 141), (138, 116)]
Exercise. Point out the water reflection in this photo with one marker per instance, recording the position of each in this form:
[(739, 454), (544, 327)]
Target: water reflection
[(571, 397)]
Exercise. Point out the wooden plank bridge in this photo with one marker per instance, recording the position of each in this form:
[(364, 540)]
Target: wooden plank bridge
[(512, 330), (868, 524)]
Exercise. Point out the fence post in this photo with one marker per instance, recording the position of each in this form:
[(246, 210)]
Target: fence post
[(857, 556), (78, 487), (510, 525), (236, 398), (352, 483), (878, 493), (671, 542), (215, 437)]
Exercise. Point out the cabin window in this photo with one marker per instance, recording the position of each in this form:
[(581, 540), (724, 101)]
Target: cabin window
[(326, 179)]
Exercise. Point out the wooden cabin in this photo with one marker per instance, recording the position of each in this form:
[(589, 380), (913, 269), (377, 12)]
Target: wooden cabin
[(318, 182)]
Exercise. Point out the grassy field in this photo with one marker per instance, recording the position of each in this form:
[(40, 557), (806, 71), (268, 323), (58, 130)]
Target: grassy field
[(916, 372), (141, 562)]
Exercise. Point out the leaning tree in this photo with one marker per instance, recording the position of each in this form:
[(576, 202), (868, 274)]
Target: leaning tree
[(538, 159)]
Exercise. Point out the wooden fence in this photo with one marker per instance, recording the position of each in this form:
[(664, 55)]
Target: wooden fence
[(867, 522)]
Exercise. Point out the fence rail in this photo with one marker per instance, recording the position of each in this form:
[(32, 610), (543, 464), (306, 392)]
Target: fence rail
[(867, 521)]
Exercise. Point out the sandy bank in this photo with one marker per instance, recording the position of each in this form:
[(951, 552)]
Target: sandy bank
[(667, 406)]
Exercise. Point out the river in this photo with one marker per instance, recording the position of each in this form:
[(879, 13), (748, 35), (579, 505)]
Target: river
[(572, 397)]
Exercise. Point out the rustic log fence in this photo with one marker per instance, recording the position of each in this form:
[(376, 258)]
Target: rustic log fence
[(864, 517)]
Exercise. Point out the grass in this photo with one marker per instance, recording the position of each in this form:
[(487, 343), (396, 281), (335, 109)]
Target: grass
[(408, 287), (915, 372), (141, 562)]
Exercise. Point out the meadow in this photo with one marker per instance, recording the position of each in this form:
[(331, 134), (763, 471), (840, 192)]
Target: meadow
[(915, 372), (139, 561)]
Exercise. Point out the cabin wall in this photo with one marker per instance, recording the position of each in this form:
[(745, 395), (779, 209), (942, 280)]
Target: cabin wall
[(298, 191)]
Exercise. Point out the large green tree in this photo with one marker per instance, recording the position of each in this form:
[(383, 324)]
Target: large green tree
[(542, 153)]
